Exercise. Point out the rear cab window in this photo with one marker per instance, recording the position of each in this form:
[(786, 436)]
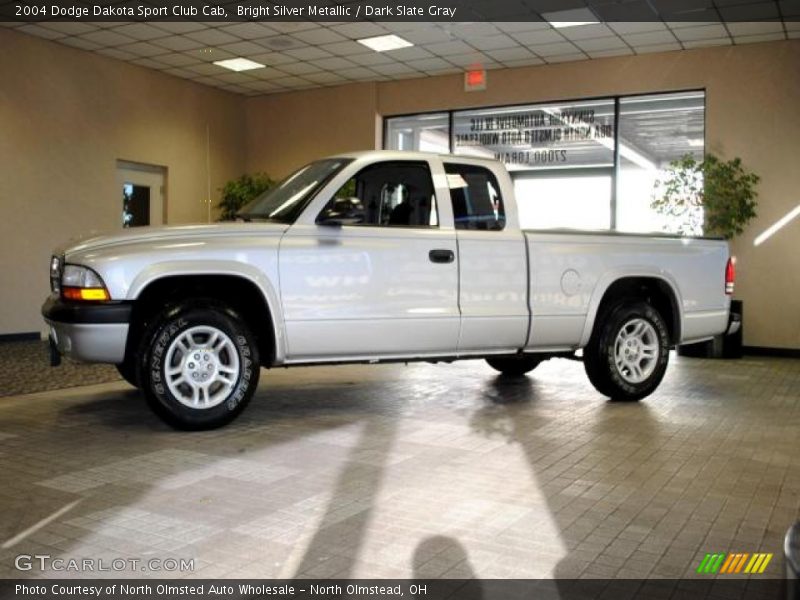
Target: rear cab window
[(475, 194)]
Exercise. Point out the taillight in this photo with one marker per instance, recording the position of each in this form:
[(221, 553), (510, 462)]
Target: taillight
[(730, 275)]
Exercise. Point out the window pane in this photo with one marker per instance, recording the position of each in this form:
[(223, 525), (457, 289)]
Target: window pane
[(423, 133), (475, 194), (576, 202), (539, 137), (387, 194), (654, 131)]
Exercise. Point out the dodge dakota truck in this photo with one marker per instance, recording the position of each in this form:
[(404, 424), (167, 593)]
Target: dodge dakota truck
[(371, 257)]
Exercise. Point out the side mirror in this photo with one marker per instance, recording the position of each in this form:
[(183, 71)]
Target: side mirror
[(342, 211)]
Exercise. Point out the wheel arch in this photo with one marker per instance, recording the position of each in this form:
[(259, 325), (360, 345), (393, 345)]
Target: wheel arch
[(657, 289), (246, 289)]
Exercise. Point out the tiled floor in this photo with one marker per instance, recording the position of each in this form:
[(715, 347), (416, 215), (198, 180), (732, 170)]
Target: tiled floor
[(418, 471)]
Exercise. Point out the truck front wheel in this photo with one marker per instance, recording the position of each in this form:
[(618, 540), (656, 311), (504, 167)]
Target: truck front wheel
[(199, 365), (628, 352), (515, 366)]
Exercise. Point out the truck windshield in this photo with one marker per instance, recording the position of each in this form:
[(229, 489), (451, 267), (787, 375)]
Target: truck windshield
[(286, 201)]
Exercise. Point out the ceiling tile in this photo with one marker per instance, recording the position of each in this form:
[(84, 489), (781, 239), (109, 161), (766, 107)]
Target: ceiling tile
[(426, 34), (319, 36), (231, 77), (473, 59), (525, 62), (281, 43), (373, 58), (650, 38), (764, 37), (178, 43), (508, 54), (586, 32), (249, 31), (205, 69), (517, 26), (448, 48), (565, 58), (359, 30), (308, 53), (754, 28), (360, 73), (624, 27), (149, 63), (793, 35), (262, 86), (107, 37), (292, 26), (706, 32), (608, 53), (291, 82), (558, 49), (326, 78), (406, 54), (69, 28), (345, 48), (493, 42), (598, 44), (141, 31), (467, 31), (273, 58), (534, 38), (212, 37), (77, 42), (394, 69), (706, 43), (242, 48), (333, 64), (179, 26), (270, 73), (429, 64), (789, 8), (658, 48), (42, 32), (177, 59), (300, 68)]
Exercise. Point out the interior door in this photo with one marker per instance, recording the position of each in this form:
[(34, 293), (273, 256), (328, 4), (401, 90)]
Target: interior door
[(142, 191), (383, 282)]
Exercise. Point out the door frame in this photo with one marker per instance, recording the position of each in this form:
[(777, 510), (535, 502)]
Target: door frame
[(124, 166)]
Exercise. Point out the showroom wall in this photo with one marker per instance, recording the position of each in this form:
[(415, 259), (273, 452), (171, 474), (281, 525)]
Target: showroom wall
[(752, 95), (66, 117)]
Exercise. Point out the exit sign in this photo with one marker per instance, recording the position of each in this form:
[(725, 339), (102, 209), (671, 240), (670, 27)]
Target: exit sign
[(475, 80)]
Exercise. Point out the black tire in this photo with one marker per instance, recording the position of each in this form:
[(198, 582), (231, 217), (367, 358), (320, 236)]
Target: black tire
[(515, 366), (127, 371), (600, 355), (189, 320)]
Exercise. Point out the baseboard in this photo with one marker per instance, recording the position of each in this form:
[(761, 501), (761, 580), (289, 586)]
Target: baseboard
[(767, 351), (27, 336)]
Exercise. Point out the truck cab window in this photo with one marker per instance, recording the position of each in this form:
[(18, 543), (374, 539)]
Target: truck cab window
[(387, 194), (477, 202)]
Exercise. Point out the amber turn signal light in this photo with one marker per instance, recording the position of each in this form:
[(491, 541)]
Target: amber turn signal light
[(85, 294)]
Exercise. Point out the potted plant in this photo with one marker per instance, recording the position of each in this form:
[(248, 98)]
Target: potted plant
[(712, 197), (238, 192)]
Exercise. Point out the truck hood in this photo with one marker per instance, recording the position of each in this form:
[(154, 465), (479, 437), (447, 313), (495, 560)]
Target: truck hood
[(138, 235)]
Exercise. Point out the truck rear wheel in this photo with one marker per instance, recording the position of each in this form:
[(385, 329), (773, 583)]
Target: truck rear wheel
[(514, 366), (628, 352), (200, 365)]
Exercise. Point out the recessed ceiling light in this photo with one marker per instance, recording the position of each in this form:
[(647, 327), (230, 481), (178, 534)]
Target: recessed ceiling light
[(383, 43), (239, 64), (570, 18)]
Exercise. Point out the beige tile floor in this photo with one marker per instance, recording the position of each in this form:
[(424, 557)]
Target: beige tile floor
[(412, 471)]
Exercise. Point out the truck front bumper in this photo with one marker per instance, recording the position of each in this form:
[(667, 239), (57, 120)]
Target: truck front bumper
[(87, 332)]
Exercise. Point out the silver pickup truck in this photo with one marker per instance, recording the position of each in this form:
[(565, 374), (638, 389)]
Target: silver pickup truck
[(372, 257)]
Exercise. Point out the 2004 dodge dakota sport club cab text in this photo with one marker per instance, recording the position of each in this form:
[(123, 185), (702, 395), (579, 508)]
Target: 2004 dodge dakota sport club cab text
[(371, 257)]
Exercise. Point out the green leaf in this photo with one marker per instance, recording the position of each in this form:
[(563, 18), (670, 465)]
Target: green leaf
[(238, 192)]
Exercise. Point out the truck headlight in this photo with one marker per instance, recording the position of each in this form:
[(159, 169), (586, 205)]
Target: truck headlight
[(81, 283)]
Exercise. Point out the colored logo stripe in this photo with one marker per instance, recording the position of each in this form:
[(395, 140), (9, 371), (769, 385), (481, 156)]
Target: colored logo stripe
[(723, 563)]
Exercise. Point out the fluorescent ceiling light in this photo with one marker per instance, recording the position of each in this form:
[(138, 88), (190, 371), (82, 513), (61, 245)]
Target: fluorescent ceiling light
[(384, 43), (239, 64), (570, 18)]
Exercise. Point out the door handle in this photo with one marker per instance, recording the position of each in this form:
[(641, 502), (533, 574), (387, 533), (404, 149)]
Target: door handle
[(441, 256)]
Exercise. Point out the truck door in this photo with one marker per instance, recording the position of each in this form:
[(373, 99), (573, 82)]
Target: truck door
[(374, 274), (492, 261)]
